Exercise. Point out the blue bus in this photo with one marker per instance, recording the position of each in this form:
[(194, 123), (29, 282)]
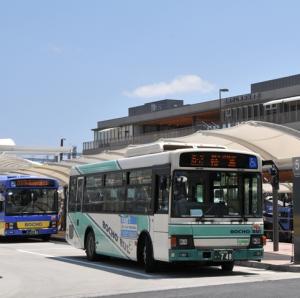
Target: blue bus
[(28, 206)]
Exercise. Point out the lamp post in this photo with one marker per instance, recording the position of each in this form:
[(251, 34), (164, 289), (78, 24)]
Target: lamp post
[(220, 103), (61, 145)]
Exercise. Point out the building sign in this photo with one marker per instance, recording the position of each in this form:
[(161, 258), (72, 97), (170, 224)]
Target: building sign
[(296, 166)]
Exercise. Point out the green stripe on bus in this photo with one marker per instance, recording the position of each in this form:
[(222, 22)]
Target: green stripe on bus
[(212, 230), (104, 166), (104, 244)]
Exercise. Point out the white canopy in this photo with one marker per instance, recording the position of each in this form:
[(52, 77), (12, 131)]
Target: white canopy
[(271, 141), (282, 100), (283, 188)]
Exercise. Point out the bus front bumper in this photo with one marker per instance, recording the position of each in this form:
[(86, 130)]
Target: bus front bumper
[(215, 255), (29, 232)]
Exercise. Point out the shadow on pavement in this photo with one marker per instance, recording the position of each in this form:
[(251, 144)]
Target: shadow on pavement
[(164, 270)]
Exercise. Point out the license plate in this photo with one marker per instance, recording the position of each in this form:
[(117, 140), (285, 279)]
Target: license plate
[(223, 255), (32, 232)]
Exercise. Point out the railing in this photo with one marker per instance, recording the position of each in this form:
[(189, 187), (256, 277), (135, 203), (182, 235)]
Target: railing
[(98, 146), (278, 118)]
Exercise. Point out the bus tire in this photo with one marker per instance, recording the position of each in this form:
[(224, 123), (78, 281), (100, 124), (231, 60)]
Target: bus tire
[(147, 256), (90, 246), (227, 266)]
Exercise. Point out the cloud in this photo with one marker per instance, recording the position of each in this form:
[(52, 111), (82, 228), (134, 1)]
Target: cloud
[(55, 49), (181, 84)]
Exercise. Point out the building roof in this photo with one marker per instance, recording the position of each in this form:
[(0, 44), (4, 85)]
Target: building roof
[(163, 114)]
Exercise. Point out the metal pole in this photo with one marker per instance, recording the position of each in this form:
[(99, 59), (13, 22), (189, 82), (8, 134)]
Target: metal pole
[(220, 103), (220, 108), (275, 220), (296, 209), (61, 145)]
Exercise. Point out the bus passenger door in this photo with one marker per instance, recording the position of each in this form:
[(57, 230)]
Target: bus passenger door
[(161, 213), (79, 196)]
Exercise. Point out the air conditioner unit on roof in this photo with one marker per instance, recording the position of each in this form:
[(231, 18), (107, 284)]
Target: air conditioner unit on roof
[(163, 146)]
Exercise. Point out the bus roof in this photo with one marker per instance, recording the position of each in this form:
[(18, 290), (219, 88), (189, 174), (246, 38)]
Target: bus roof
[(140, 161)]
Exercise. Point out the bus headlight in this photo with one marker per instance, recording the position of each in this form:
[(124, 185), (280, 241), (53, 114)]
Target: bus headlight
[(182, 241), (256, 240), (9, 226)]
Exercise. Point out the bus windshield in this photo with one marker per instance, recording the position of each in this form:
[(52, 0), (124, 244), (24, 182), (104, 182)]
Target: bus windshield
[(216, 194), (33, 201)]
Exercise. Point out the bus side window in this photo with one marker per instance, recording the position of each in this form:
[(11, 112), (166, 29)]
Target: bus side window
[(162, 193)]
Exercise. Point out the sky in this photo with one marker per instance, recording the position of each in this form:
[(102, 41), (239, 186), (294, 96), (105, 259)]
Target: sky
[(64, 65)]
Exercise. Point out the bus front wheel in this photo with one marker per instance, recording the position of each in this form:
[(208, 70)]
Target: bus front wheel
[(90, 246), (227, 267), (147, 256)]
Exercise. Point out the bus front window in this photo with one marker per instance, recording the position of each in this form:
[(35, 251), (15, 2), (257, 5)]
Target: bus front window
[(33, 201), (216, 194)]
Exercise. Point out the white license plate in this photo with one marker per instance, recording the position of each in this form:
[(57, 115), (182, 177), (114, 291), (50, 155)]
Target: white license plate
[(223, 255)]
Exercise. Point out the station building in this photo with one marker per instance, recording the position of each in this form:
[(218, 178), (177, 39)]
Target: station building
[(276, 101)]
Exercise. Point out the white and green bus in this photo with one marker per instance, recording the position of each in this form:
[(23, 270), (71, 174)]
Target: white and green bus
[(194, 204)]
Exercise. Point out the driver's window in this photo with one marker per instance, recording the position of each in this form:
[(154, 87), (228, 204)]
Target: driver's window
[(180, 188), (199, 193)]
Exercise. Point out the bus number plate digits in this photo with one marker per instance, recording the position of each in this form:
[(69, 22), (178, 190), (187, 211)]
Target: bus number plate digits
[(223, 255), (32, 232)]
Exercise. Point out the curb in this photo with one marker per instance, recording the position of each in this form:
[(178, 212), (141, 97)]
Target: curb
[(266, 266)]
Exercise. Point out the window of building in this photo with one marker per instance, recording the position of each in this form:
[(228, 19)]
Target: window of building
[(261, 110), (245, 108), (241, 116), (250, 112), (255, 111)]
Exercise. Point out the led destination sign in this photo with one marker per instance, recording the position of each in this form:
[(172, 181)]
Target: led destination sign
[(32, 183), (218, 160)]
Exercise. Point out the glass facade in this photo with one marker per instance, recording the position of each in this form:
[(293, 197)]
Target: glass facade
[(281, 113), (108, 135)]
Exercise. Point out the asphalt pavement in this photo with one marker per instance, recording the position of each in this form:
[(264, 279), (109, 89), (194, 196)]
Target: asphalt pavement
[(281, 260)]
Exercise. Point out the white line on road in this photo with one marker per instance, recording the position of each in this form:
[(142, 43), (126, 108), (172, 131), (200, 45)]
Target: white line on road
[(52, 248), (34, 253), (87, 263)]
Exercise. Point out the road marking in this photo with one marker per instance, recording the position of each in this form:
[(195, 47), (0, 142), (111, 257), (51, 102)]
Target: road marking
[(35, 253), (54, 248), (88, 263)]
